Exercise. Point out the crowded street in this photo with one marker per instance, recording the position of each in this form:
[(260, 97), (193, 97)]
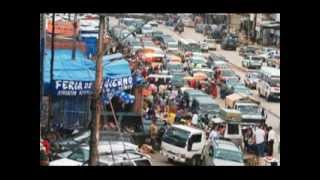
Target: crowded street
[(174, 89)]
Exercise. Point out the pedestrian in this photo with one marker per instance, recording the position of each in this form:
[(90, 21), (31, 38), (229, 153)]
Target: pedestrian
[(195, 119), (44, 159), (249, 140), (260, 139), (151, 112), (266, 130), (47, 146), (214, 134), (221, 130), (263, 113), (271, 140), (214, 91), (153, 133)]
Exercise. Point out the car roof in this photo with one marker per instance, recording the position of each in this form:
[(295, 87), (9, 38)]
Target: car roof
[(220, 61), (112, 146), (205, 99), (194, 91), (203, 69), (188, 128), (118, 158), (227, 145)]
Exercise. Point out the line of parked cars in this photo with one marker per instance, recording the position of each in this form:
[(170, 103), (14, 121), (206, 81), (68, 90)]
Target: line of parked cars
[(254, 57)]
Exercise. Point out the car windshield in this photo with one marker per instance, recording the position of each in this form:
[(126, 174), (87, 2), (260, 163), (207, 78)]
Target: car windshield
[(256, 58), (209, 108), (81, 155), (174, 66), (248, 109), (143, 162), (241, 89), (148, 43), (228, 155), (135, 43), (176, 136), (275, 82), (172, 45), (228, 73), (254, 75), (232, 82), (147, 27)]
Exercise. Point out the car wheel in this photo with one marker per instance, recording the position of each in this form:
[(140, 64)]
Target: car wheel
[(170, 160)]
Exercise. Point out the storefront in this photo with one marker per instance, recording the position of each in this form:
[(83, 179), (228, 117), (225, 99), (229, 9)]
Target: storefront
[(73, 85)]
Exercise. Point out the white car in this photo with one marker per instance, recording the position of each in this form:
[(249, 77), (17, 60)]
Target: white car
[(147, 30), (211, 44), (204, 46), (153, 23), (252, 61), (222, 153), (183, 144)]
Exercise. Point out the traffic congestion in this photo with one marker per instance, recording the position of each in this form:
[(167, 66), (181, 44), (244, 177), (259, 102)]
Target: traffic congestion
[(203, 93)]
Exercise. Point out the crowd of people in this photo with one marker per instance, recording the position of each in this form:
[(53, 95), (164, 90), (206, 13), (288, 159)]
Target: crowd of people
[(260, 140)]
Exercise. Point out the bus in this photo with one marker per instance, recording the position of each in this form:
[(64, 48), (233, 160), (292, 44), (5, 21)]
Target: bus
[(269, 83), (185, 45)]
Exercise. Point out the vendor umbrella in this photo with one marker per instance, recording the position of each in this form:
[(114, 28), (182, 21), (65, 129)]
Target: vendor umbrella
[(200, 76)]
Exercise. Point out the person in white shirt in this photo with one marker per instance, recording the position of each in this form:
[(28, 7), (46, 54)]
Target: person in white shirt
[(271, 140), (214, 134), (260, 139), (195, 119)]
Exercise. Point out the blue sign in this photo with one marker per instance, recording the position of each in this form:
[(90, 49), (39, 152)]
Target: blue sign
[(116, 87), (81, 88)]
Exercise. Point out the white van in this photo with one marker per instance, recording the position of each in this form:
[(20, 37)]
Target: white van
[(183, 143), (147, 30), (269, 83)]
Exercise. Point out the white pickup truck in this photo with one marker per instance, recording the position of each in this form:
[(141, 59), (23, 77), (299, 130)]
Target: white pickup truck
[(184, 144)]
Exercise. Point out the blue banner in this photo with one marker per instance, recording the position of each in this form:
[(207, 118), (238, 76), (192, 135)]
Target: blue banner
[(72, 88), (81, 88)]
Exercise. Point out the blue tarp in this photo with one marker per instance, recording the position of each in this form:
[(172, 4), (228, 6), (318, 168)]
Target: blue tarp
[(82, 69), (91, 45)]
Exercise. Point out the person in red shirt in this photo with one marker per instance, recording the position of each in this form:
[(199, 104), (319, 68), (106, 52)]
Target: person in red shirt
[(214, 91), (193, 83), (47, 146), (144, 72)]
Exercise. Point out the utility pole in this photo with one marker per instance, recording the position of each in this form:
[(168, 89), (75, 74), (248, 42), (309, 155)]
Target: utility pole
[(50, 115), (254, 27), (42, 41), (74, 36), (229, 22), (95, 125)]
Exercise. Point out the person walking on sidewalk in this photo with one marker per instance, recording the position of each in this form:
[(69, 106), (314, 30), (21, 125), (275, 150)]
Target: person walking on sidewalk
[(154, 134), (260, 139)]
